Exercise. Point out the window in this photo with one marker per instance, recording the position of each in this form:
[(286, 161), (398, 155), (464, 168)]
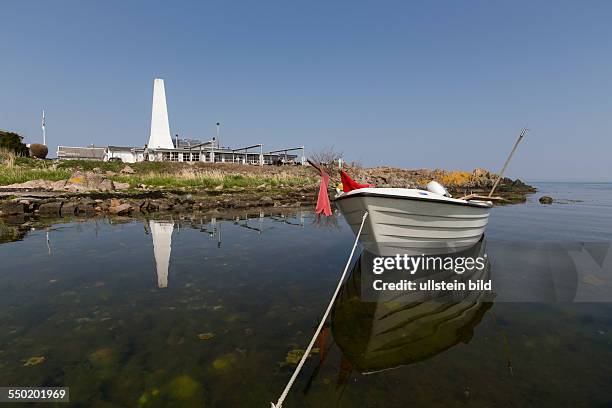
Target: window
[(186, 157), (166, 156), (195, 156), (174, 156)]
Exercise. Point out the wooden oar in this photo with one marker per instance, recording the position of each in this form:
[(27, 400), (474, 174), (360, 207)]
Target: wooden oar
[(501, 173), (481, 197)]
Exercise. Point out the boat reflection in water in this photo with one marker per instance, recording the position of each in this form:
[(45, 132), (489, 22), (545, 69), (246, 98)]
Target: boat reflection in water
[(403, 327), (161, 231)]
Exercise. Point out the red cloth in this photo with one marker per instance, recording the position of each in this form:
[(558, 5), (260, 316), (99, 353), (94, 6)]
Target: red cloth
[(323, 204), (348, 184)]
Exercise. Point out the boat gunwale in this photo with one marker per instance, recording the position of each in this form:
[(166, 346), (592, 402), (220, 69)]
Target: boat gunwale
[(428, 199)]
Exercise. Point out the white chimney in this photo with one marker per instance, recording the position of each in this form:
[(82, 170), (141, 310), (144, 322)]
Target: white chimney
[(160, 128)]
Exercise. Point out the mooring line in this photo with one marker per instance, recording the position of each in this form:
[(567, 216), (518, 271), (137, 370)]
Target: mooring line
[(280, 401)]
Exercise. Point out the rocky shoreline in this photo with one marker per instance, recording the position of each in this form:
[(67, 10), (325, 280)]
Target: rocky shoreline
[(91, 193)]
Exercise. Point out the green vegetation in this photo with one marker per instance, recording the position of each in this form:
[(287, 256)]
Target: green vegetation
[(152, 174), (12, 142), (12, 175), (87, 165), (210, 179)]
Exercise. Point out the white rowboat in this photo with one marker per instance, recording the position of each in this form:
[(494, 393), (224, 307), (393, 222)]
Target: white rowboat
[(413, 221)]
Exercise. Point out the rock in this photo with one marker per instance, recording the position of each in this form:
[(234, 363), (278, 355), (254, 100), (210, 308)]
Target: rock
[(85, 207), (546, 200), (152, 206), (115, 202), (481, 173), (219, 187), (32, 184), (69, 208), (102, 358), (184, 391), (127, 170), (32, 361), (52, 208), (120, 209), (57, 185), (225, 361), (186, 199), (206, 336), (12, 208), (106, 185), (121, 186), (294, 356), (266, 200), (143, 205)]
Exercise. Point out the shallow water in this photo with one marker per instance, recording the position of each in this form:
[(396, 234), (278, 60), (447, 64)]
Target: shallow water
[(202, 312)]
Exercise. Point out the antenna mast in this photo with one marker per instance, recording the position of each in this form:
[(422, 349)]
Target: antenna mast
[(44, 131)]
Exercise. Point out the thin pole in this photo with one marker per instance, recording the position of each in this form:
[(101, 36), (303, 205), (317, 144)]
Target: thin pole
[(44, 131), (279, 403), (501, 173), (218, 143)]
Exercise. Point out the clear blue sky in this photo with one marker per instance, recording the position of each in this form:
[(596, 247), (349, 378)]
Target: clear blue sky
[(410, 84)]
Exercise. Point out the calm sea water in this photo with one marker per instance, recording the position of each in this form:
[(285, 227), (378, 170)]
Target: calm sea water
[(203, 312)]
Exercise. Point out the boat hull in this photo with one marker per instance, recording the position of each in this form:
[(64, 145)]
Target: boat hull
[(412, 225)]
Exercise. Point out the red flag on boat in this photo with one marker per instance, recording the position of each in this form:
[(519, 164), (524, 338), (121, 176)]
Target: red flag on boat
[(348, 184), (323, 204)]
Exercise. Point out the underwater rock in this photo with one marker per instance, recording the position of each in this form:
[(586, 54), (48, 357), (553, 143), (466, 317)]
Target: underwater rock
[(546, 200), (225, 361), (102, 358), (183, 387), (32, 361), (294, 356), (206, 336)]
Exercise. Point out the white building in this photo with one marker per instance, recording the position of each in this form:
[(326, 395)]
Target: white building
[(161, 146)]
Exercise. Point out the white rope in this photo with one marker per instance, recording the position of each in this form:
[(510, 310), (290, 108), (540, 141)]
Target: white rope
[(280, 401)]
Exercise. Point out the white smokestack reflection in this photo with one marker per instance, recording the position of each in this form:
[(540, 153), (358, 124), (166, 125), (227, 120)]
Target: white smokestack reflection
[(161, 231)]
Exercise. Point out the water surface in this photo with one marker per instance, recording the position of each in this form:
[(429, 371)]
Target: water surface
[(203, 311)]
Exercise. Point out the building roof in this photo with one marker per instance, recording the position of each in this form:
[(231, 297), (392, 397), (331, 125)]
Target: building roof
[(121, 148), (81, 152)]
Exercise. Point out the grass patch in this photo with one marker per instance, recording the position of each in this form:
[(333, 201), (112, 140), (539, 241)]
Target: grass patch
[(88, 165), (12, 175), (210, 179), (154, 174)]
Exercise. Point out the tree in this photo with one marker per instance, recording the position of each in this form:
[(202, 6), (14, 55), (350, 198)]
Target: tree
[(327, 155), (12, 141)]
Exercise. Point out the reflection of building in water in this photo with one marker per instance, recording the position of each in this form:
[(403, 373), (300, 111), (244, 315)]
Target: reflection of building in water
[(161, 232), (397, 328)]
